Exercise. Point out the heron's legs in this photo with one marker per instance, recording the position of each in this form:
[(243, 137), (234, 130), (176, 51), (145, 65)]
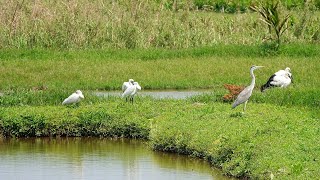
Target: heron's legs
[(244, 107)]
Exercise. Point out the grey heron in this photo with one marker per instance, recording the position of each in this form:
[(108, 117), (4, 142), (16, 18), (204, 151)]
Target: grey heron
[(130, 89), (73, 98), (245, 94), (282, 78)]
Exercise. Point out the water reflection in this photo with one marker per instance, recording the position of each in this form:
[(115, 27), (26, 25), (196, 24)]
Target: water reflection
[(171, 94), (94, 158)]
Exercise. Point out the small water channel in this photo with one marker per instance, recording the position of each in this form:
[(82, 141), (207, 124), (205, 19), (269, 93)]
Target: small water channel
[(95, 158), (163, 94)]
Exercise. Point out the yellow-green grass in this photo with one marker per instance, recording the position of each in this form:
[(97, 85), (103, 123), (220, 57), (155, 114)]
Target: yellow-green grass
[(268, 139), (186, 72), (205, 68), (276, 137)]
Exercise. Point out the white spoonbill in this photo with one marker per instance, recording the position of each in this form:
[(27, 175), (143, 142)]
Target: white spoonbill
[(245, 94), (125, 85), (282, 78), (73, 98)]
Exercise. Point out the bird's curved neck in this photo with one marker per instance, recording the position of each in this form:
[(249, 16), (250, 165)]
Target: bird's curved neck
[(253, 81)]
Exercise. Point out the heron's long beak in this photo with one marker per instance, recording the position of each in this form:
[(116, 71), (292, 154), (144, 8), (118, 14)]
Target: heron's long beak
[(81, 96), (259, 67)]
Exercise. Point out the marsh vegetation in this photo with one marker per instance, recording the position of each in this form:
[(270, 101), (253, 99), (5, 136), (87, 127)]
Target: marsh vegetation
[(121, 24), (49, 50)]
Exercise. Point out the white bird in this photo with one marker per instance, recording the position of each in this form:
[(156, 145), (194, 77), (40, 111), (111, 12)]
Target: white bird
[(74, 98), (130, 91), (138, 85), (245, 94), (125, 85), (283, 72), (282, 78)]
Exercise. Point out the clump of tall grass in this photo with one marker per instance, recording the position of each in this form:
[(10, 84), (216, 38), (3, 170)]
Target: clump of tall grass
[(132, 24)]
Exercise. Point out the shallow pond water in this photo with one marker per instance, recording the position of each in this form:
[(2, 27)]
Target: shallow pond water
[(170, 94), (95, 158)]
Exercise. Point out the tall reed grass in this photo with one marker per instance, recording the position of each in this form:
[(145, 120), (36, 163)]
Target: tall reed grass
[(135, 24)]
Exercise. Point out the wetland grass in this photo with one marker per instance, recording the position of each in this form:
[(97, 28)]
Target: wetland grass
[(278, 135), (143, 24), (97, 45), (23, 71), (256, 145)]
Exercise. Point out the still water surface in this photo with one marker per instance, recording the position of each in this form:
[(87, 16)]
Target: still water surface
[(95, 158), (164, 94)]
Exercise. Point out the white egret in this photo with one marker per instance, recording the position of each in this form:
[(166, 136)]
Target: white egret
[(282, 78), (245, 94), (125, 85), (73, 98), (131, 91)]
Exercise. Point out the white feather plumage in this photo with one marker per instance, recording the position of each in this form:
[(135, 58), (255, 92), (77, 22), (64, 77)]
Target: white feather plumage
[(281, 78), (73, 98), (130, 89)]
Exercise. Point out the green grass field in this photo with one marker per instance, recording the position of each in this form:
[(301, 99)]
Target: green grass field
[(199, 68), (276, 137), (97, 45), (268, 139)]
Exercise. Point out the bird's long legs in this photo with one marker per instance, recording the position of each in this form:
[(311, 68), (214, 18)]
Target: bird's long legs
[(244, 107), (130, 98)]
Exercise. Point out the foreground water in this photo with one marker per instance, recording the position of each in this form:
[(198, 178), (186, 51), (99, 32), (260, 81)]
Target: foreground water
[(94, 158)]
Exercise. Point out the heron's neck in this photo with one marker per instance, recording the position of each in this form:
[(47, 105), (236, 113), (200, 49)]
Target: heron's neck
[(253, 81)]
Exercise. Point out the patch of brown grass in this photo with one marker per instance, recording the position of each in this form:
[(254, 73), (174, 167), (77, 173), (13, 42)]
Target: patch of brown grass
[(234, 90)]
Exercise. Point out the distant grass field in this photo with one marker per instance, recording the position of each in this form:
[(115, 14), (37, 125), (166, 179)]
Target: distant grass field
[(198, 68)]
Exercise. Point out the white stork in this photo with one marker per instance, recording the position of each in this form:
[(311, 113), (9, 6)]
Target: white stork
[(282, 78)]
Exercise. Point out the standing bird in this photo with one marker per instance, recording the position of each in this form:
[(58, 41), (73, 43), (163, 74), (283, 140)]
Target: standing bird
[(282, 78), (245, 94), (125, 85), (130, 89), (74, 98)]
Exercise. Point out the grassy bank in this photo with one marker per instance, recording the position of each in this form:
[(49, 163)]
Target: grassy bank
[(89, 120), (256, 145)]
